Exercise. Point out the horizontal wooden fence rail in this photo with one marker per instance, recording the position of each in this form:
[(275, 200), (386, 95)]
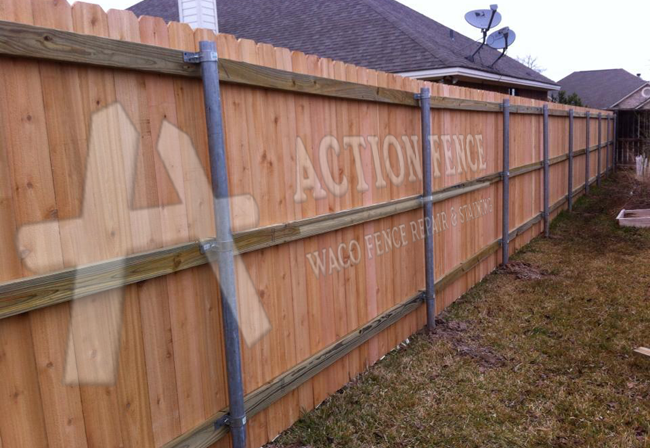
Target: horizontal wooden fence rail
[(21, 40), (31, 293), (28, 41), (535, 166)]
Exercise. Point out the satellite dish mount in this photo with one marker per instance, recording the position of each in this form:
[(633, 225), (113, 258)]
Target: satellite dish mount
[(484, 19)]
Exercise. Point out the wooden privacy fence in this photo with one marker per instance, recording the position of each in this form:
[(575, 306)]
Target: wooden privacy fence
[(336, 255)]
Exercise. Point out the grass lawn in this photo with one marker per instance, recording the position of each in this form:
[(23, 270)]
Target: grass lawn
[(539, 354)]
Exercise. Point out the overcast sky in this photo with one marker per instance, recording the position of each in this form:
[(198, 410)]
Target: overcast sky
[(565, 35)]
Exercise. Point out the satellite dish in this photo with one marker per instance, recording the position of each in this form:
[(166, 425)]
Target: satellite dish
[(484, 18), (502, 39)]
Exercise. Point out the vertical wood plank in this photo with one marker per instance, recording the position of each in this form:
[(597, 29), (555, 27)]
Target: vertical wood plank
[(356, 288), (188, 326), (20, 408), (253, 141), (309, 328), (139, 389), (49, 327), (369, 122), (345, 282), (96, 320), (284, 270), (27, 196), (198, 200), (147, 235)]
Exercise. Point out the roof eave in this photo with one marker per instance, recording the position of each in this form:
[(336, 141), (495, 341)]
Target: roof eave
[(478, 74), (642, 86), (642, 105)]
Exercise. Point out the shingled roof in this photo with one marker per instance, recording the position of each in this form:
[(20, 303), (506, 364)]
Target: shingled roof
[(601, 89), (379, 34)]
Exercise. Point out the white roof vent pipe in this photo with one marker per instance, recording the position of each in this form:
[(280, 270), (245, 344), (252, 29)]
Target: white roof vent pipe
[(199, 13)]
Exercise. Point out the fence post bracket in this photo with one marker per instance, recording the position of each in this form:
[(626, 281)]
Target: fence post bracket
[(212, 246), (228, 420), (201, 56)]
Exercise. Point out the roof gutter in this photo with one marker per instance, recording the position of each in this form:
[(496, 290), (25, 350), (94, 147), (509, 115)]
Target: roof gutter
[(478, 74)]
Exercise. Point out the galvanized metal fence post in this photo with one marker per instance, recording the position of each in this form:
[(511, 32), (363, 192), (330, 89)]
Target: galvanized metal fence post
[(505, 244), (600, 145), (547, 169), (615, 141), (588, 156), (570, 196), (609, 144), (427, 174), (223, 253)]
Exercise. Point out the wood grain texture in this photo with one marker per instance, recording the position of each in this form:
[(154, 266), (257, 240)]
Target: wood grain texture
[(27, 194), (68, 146), (33, 293), (46, 43), (158, 397), (95, 322)]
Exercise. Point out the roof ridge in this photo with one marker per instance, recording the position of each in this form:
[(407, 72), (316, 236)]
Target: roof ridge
[(603, 70), (396, 24)]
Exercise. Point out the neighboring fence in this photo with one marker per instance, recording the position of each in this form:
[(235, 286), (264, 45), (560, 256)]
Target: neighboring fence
[(327, 324), (633, 135)]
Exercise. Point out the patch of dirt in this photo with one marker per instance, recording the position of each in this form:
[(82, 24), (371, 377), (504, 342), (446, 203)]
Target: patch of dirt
[(524, 271), (639, 191), (457, 335)]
